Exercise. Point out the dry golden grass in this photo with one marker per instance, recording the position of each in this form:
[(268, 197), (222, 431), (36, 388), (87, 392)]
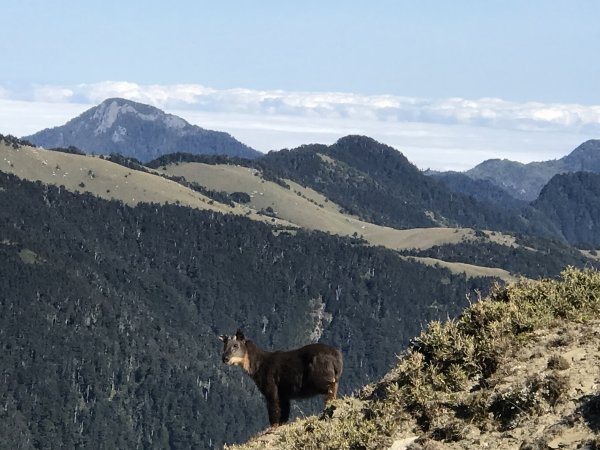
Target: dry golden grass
[(469, 270), (78, 173), (100, 177), (312, 210)]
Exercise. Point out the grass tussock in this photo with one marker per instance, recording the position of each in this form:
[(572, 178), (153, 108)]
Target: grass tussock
[(443, 381)]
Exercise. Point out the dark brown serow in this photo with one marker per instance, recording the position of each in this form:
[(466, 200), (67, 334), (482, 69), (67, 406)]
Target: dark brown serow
[(311, 370)]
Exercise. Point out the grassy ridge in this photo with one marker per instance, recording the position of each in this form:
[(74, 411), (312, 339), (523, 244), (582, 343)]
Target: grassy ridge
[(108, 180), (442, 385)]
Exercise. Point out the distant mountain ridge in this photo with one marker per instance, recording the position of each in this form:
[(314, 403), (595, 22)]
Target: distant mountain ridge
[(365, 178), (525, 181), (377, 183), (139, 131), (481, 189)]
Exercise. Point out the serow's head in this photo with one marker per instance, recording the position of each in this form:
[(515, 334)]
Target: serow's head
[(234, 349)]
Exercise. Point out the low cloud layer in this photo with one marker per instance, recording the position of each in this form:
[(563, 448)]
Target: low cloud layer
[(488, 112), (452, 133)]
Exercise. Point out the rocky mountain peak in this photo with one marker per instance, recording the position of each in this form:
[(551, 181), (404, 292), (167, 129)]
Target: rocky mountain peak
[(140, 131)]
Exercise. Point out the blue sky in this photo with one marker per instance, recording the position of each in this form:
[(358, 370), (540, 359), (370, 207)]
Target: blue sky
[(507, 76)]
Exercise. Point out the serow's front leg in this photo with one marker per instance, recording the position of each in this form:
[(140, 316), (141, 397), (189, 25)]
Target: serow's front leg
[(273, 408)]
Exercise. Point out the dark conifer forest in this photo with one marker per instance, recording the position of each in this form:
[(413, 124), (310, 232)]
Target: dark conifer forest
[(109, 316), (530, 256)]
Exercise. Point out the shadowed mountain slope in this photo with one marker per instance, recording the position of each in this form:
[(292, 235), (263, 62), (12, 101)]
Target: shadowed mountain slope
[(572, 201), (483, 190)]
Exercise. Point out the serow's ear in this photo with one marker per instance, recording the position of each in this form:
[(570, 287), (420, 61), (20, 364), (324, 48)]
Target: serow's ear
[(224, 337), (239, 335)]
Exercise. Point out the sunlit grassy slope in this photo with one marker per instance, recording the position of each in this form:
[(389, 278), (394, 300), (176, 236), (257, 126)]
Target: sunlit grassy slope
[(104, 179), (308, 208)]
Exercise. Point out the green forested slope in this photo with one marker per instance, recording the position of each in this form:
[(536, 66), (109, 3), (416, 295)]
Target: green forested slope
[(109, 316)]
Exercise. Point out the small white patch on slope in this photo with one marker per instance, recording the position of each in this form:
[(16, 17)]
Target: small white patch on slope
[(107, 115), (174, 122), (118, 134)]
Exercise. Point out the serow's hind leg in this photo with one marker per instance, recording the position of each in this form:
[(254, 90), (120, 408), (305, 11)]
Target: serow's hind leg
[(329, 398), (331, 391), (284, 406)]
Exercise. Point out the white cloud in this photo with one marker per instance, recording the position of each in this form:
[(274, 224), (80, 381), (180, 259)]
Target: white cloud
[(52, 94), (439, 133), (488, 112)]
